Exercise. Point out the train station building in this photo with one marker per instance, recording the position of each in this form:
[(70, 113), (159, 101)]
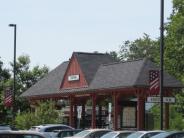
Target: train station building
[(122, 88)]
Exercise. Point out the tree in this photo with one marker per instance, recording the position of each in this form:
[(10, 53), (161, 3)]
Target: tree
[(114, 55), (25, 78), (140, 48), (174, 47), (4, 77), (175, 118)]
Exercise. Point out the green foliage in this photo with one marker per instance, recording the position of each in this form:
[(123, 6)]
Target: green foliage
[(114, 55), (4, 82), (175, 118), (25, 78), (174, 44), (180, 102), (45, 113), (155, 110), (140, 48), (25, 120)]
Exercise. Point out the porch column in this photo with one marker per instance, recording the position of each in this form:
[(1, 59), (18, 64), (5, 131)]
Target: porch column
[(75, 116), (115, 111), (93, 120), (71, 116), (166, 116), (83, 115), (140, 112), (100, 115)]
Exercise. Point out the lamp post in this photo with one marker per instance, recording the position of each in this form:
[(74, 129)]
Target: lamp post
[(161, 60), (14, 68)]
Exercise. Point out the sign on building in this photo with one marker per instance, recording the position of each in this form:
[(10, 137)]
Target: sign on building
[(156, 99), (73, 77)]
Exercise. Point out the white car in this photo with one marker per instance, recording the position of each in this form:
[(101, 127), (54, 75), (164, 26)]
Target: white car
[(47, 129), (91, 133), (117, 134), (144, 134)]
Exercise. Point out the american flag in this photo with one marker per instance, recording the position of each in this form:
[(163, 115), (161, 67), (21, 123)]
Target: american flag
[(154, 81), (8, 98)]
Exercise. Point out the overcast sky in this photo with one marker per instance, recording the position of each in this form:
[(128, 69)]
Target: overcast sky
[(50, 30)]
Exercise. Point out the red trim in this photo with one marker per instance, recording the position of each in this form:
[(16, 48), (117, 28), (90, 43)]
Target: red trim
[(73, 69), (102, 92), (71, 117), (140, 112), (115, 113)]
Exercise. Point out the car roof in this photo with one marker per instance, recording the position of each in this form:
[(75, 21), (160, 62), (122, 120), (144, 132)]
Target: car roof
[(151, 131), (50, 125), (45, 125), (124, 131), (98, 129), (67, 130), (19, 132)]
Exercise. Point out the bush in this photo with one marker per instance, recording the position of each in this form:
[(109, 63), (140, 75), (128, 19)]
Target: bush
[(45, 113)]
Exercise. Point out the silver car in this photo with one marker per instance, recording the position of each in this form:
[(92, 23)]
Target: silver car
[(91, 133), (117, 134), (47, 129)]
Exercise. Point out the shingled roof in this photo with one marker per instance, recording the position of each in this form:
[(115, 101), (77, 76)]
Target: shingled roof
[(101, 72), (90, 62), (49, 84), (129, 74)]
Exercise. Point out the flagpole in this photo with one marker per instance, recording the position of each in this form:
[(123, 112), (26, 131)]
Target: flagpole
[(161, 60), (14, 69)]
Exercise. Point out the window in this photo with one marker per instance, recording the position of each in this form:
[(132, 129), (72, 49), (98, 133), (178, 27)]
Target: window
[(51, 129)]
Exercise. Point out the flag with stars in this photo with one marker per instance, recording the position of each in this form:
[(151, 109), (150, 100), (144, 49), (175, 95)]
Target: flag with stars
[(154, 82), (8, 98)]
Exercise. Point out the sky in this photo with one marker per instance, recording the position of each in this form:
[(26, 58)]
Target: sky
[(49, 31)]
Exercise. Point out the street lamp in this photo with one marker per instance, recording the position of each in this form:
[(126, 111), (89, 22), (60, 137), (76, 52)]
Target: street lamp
[(14, 68), (161, 60)]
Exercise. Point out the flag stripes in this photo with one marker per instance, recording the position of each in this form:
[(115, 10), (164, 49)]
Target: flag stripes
[(8, 98), (154, 81)]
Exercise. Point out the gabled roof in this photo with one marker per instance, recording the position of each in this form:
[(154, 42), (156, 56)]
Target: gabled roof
[(101, 72), (90, 62), (49, 84)]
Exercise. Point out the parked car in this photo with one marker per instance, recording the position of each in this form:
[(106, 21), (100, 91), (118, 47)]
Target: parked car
[(171, 134), (65, 133), (144, 134), (117, 134), (91, 133), (7, 127), (47, 129), (20, 134)]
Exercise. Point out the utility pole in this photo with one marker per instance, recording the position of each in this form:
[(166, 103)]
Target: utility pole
[(161, 60)]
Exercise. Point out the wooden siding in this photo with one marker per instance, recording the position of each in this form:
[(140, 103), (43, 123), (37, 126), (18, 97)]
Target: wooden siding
[(74, 69)]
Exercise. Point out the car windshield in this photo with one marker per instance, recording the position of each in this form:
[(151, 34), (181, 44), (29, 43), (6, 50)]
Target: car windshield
[(135, 135), (109, 135), (5, 128), (82, 133)]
